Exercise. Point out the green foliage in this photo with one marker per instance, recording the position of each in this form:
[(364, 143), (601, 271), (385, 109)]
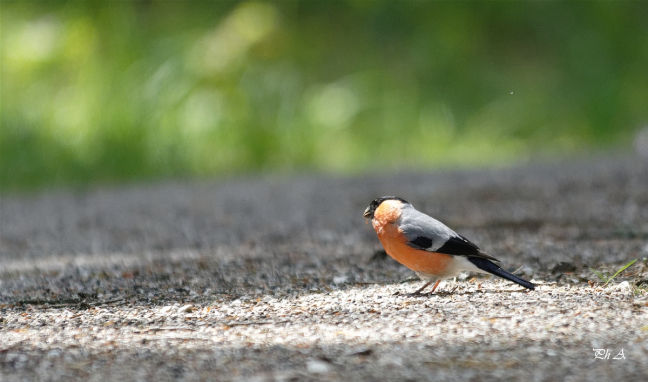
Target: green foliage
[(107, 91), (607, 279)]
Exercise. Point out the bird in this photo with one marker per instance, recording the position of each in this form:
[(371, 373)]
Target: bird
[(427, 246)]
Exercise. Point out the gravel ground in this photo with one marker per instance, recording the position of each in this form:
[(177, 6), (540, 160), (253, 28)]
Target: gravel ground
[(278, 278)]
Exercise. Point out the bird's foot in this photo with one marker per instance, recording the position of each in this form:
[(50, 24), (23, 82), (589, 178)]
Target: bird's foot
[(443, 293)]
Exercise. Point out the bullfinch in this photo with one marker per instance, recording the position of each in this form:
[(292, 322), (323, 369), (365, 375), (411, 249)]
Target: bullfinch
[(427, 246)]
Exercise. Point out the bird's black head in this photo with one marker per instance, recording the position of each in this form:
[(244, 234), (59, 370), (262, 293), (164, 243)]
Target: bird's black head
[(369, 212)]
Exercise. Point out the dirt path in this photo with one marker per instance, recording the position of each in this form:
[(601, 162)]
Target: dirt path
[(280, 279)]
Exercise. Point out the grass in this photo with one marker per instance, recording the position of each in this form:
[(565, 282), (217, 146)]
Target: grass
[(607, 279)]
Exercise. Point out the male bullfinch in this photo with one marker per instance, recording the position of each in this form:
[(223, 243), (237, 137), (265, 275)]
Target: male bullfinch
[(427, 246)]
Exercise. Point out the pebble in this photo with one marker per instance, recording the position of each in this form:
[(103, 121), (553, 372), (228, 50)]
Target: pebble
[(317, 367), (166, 309), (186, 309), (623, 286)]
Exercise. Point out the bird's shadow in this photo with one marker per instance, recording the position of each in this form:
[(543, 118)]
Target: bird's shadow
[(453, 293)]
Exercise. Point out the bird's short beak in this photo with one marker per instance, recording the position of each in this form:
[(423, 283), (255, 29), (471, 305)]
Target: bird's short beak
[(367, 213)]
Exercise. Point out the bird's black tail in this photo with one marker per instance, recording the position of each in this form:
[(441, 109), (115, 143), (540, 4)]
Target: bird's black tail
[(490, 267)]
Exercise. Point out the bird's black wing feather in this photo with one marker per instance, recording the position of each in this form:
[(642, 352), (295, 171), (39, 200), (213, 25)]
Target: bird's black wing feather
[(421, 242), (460, 246)]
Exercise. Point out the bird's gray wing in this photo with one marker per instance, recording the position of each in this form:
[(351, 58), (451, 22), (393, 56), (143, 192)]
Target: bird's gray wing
[(422, 231), (428, 234)]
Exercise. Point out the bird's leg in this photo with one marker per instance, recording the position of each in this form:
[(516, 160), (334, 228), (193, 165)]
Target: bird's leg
[(435, 285), (423, 287)]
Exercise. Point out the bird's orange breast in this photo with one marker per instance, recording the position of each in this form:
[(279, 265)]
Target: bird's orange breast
[(395, 243)]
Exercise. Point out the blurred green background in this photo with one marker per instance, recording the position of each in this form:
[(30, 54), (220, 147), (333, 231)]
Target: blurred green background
[(112, 91)]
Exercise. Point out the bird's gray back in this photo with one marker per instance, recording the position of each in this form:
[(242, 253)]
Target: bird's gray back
[(415, 224)]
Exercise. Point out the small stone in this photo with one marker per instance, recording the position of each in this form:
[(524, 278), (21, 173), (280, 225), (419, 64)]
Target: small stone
[(186, 309), (166, 309), (316, 366), (624, 286)]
